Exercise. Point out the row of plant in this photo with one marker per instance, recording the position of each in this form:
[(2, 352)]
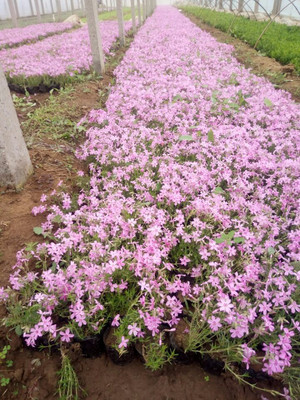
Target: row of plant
[(56, 60), (18, 36), (279, 41), (186, 219)]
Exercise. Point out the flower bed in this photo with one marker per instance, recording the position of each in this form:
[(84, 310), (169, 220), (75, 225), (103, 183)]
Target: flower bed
[(17, 36), (56, 59), (280, 41), (188, 216)]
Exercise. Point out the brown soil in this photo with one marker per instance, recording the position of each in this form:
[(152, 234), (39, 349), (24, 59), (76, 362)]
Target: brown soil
[(34, 374), (282, 76)]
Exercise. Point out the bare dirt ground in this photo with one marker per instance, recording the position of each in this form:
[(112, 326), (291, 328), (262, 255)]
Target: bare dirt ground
[(34, 374)]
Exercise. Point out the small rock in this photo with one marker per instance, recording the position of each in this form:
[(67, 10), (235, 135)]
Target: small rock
[(288, 69), (18, 374), (75, 20)]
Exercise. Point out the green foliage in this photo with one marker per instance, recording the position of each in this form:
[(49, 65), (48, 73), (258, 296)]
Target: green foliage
[(68, 384), (4, 381), (186, 138), (280, 41), (110, 15), (21, 318), (157, 355), (55, 118), (37, 82)]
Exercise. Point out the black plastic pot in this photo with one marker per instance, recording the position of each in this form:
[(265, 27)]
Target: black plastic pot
[(211, 365), (113, 354), (91, 346), (42, 343)]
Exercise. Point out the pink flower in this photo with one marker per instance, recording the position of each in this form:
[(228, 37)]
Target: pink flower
[(124, 343), (66, 335), (214, 323), (133, 329), (115, 321)]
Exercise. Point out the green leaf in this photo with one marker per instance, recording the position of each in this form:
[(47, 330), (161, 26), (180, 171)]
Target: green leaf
[(230, 235), (220, 240), (177, 97), (57, 219), (38, 230), (268, 102), (235, 106), (218, 190), (210, 136), (271, 250), (185, 137), (18, 330), (239, 239)]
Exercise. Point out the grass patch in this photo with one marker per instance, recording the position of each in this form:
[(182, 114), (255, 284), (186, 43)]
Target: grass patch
[(55, 118), (110, 15)]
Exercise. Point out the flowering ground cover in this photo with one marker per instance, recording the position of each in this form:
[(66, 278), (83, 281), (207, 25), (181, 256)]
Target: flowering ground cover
[(280, 41), (56, 59), (16, 36), (188, 214)]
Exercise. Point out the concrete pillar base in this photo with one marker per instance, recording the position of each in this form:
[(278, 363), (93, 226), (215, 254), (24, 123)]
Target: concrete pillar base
[(15, 164)]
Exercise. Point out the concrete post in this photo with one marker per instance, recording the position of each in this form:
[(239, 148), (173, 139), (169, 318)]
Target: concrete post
[(37, 7), (241, 6), (133, 17), (276, 7), (72, 6), (52, 8), (256, 6), (17, 9), (13, 13), (144, 9), (15, 164), (120, 22), (95, 37), (139, 12), (220, 4), (31, 8), (58, 6), (147, 8), (43, 8)]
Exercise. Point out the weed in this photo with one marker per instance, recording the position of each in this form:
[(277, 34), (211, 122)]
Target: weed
[(68, 384), (157, 355), (4, 380)]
